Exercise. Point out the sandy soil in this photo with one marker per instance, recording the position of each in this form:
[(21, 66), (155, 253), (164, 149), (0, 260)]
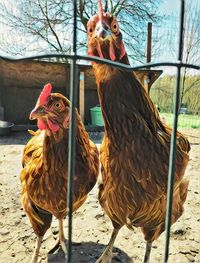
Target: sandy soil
[(91, 228)]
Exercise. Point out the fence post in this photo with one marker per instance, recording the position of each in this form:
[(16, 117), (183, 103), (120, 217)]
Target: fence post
[(72, 134), (172, 157)]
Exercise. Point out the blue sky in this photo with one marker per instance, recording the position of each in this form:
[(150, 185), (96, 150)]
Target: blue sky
[(168, 31), (169, 6)]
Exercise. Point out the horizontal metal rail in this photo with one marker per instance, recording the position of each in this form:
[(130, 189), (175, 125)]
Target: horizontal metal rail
[(103, 61)]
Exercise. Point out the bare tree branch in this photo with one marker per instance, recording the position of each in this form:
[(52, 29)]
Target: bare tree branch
[(51, 22)]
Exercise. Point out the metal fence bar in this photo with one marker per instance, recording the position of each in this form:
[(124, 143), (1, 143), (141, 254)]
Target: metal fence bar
[(172, 158), (103, 61), (72, 135)]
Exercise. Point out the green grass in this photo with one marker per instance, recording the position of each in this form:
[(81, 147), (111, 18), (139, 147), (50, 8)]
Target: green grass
[(184, 120)]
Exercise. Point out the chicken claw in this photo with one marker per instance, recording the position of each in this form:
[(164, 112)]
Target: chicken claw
[(60, 240), (147, 252), (58, 243), (36, 250), (105, 259), (107, 255)]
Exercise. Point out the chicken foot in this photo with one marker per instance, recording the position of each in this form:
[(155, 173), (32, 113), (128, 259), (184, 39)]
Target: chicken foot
[(107, 255), (60, 240), (147, 252), (36, 250)]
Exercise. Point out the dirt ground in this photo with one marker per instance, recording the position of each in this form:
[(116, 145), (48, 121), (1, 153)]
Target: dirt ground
[(91, 228)]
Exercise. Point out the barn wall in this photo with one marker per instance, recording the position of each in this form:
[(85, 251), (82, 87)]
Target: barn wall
[(21, 83)]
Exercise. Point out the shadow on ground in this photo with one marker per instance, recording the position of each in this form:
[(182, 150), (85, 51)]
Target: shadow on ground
[(88, 253), (15, 138)]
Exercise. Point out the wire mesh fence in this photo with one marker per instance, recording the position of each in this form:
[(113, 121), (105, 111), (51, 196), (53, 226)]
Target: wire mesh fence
[(73, 96), (189, 110), (185, 121)]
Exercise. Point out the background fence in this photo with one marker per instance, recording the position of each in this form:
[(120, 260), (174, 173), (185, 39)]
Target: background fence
[(162, 93)]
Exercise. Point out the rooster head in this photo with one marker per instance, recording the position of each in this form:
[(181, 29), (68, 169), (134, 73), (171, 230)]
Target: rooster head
[(51, 110), (104, 37)]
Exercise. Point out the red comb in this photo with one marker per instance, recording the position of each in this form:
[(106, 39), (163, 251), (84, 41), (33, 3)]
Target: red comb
[(46, 92), (100, 10)]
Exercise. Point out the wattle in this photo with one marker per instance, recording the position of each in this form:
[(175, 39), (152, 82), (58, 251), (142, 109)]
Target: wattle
[(112, 52), (49, 126), (52, 126), (41, 124)]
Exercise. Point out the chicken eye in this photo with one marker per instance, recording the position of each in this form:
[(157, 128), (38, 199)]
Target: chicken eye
[(115, 27), (57, 105), (90, 30)]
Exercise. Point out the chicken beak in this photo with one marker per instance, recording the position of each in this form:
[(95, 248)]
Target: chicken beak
[(36, 113), (102, 30)]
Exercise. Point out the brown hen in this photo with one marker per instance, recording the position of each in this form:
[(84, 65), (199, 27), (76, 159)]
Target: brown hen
[(136, 145), (44, 173)]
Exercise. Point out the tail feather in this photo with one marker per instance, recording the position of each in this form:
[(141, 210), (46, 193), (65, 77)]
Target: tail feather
[(39, 218), (30, 210), (180, 195)]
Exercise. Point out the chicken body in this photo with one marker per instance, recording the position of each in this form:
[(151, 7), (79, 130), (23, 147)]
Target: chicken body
[(136, 145), (44, 173), (135, 157)]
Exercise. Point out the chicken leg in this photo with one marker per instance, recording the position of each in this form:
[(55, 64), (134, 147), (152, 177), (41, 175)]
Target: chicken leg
[(36, 250), (60, 240), (147, 252), (107, 255)]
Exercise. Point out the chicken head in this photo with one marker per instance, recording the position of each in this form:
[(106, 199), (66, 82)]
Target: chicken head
[(104, 37), (51, 110)]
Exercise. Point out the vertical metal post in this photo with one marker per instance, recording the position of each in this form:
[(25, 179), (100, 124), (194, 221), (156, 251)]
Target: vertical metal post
[(149, 45), (72, 134), (173, 138), (149, 40)]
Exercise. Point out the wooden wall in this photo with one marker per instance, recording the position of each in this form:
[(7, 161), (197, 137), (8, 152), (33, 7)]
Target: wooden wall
[(22, 82)]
